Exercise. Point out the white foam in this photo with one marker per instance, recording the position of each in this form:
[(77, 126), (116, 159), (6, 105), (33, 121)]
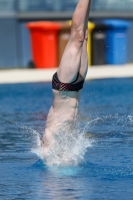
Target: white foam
[(67, 148), (130, 117)]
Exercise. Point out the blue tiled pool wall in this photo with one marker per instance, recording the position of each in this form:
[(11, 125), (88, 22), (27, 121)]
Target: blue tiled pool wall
[(15, 47)]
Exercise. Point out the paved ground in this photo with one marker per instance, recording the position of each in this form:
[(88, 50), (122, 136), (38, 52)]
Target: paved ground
[(41, 75)]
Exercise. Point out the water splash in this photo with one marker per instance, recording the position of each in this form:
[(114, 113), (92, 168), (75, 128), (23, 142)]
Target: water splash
[(130, 118), (68, 147)]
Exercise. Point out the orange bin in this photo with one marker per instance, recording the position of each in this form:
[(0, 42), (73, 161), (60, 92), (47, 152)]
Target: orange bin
[(43, 36)]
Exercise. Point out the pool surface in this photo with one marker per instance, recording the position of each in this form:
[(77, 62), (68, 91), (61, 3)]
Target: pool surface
[(106, 172)]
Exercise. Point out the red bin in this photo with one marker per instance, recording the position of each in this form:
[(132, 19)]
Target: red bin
[(43, 38)]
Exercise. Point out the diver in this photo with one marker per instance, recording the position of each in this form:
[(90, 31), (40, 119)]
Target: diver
[(68, 81)]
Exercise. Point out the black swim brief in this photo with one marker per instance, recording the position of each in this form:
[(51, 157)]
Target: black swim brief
[(74, 86)]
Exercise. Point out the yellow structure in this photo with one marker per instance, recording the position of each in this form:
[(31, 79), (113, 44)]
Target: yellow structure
[(91, 26)]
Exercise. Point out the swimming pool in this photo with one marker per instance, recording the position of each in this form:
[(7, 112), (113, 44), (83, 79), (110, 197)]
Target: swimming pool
[(106, 172)]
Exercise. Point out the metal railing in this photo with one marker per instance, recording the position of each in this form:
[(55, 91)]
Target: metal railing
[(62, 5), (49, 9)]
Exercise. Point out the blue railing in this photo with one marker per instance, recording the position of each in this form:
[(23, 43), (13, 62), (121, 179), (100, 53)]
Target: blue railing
[(62, 5), (7, 5)]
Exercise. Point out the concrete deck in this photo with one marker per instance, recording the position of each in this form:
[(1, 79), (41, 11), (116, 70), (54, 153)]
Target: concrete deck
[(45, 75)]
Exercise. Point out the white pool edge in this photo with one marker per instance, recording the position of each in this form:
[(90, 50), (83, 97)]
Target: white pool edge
[(45, 75)]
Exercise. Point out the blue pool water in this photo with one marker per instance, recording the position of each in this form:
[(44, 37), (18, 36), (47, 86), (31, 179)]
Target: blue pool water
[(106, 172)]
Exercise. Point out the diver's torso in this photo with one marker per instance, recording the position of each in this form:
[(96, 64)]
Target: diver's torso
[(63, 112)]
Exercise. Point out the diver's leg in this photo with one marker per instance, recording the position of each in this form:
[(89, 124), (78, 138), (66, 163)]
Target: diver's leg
[(84, 58), (71, 59)]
